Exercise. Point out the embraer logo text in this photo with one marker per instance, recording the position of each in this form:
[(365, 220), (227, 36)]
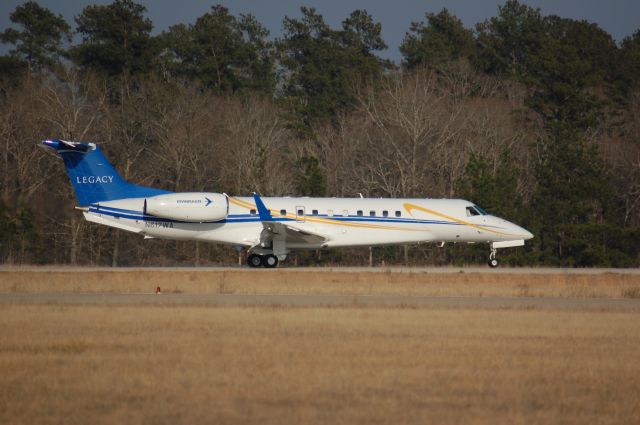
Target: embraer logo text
[(94, 179)]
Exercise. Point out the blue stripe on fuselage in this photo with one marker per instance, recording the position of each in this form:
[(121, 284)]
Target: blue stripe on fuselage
[(247, 218)]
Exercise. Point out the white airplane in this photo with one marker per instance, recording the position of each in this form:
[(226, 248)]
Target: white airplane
[(270, 227)]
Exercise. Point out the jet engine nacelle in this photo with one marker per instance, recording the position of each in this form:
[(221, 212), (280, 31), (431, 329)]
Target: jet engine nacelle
[(189, 206)]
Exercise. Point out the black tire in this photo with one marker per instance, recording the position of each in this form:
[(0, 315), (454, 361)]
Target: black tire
[(254, 260), (493, 263), (269, 261)]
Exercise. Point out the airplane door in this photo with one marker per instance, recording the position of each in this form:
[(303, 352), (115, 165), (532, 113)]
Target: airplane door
[(300, 214)]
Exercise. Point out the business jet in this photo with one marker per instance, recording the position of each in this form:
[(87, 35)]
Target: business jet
[(269, 227)]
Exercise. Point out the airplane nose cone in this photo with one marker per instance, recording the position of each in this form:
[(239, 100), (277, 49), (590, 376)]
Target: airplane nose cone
[(526, 235), (522, 232)]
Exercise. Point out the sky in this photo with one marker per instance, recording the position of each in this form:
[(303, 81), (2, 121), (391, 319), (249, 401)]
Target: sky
[(620, 18)]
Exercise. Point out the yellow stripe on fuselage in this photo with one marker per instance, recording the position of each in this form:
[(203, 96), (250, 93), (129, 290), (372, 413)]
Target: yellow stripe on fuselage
[(407, 206)]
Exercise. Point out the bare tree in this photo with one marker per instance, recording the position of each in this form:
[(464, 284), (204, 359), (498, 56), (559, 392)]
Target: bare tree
[(420, 129), (255, 151)]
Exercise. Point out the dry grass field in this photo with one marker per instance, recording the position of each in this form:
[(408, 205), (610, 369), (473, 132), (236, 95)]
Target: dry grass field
[(168, 364), (323, 282), (193, 365)]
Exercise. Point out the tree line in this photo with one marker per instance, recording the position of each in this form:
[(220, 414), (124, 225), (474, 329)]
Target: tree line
[(535, 118)]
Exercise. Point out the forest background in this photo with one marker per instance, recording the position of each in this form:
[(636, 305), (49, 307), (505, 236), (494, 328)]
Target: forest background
[(535, 118)]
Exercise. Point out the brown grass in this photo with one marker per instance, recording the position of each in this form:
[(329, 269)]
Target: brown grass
[(170, 365), (288, 281)]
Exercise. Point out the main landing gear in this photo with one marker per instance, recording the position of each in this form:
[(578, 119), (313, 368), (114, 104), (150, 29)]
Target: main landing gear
[(493, 262), (268, 261)]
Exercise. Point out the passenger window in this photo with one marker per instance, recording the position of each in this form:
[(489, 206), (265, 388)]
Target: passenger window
[(300, 212), (314, 212), (385, 213), (372, 213), (398, 214), (252, 212), (283, 212), (359, 213)]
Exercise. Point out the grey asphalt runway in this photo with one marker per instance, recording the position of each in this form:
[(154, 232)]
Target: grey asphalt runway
[(222, 300), (400, 269)]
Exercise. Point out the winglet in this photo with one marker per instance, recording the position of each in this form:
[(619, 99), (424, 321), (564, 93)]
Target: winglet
[(264, 213)]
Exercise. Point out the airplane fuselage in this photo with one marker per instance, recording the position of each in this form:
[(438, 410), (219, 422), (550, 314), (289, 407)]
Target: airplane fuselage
[(344, 221), (270, 227)]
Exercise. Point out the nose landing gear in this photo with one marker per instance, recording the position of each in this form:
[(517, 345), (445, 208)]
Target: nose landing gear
[(493, 262)]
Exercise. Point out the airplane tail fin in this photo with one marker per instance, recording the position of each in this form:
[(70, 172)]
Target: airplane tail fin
[(93, 177)]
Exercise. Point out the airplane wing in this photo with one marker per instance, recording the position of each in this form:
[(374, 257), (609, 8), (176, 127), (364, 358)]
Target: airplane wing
[(277, 231)]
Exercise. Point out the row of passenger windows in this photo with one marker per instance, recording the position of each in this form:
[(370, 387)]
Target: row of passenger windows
[(345, 213)]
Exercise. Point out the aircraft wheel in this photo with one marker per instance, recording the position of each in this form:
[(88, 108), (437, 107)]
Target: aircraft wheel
[(254, 260), (269, 261), (493, 263)]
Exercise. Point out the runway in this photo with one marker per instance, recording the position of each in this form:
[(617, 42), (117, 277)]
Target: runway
[(524, 271), (319, 301)]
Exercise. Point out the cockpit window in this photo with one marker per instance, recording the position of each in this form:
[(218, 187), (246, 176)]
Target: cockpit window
[(475, 210), (480, 210)]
